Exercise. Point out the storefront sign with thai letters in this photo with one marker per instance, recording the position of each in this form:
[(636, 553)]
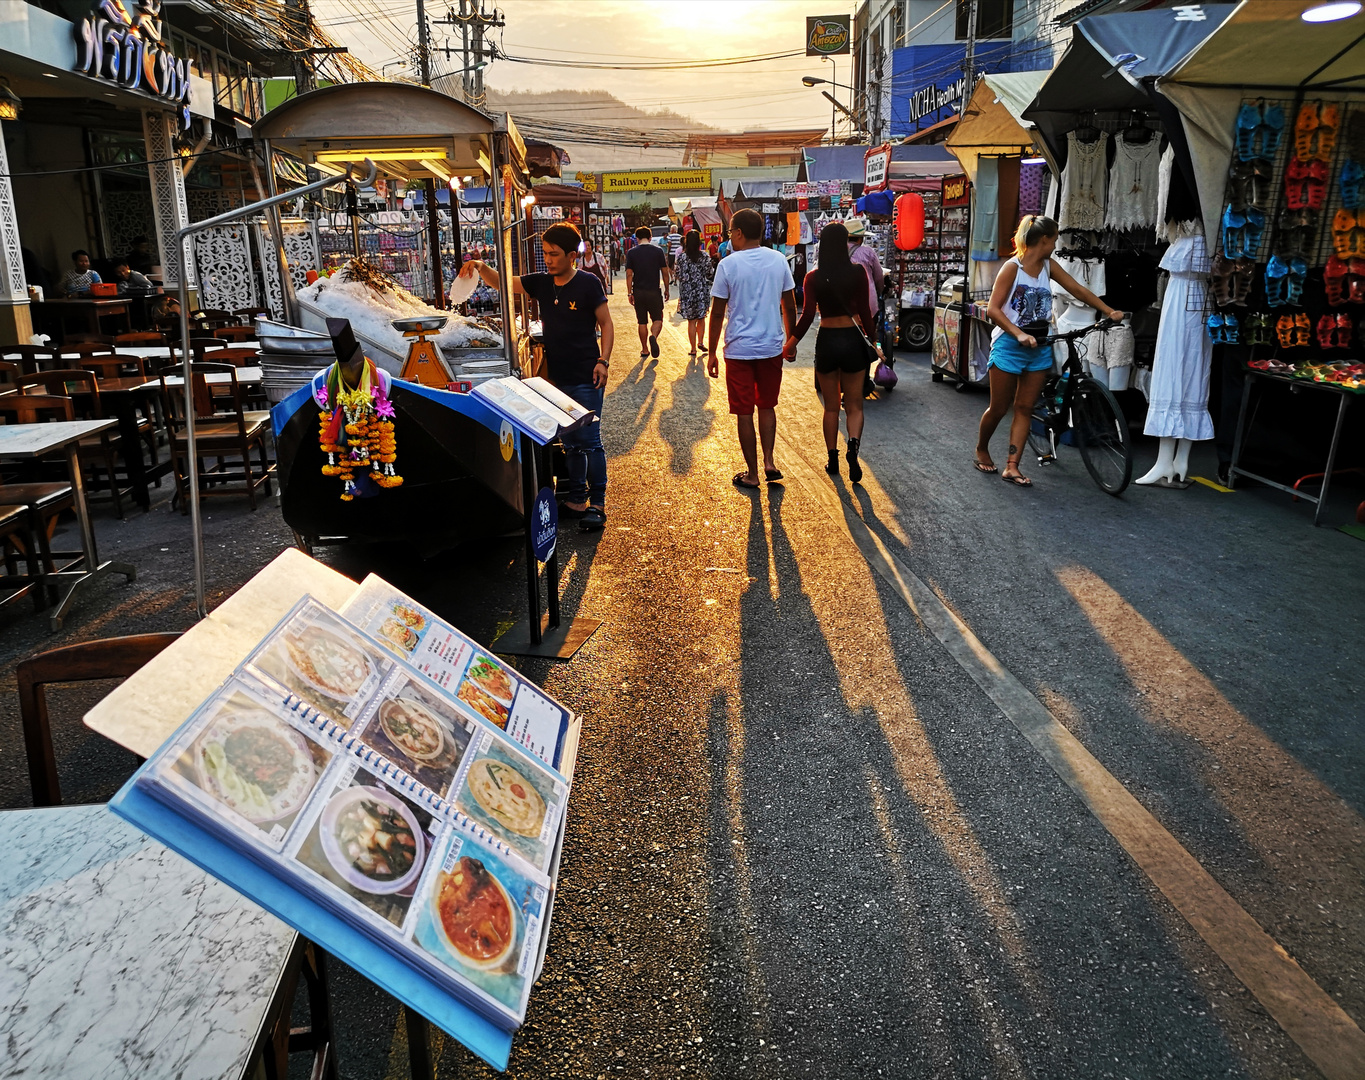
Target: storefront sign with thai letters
[(121, 42)]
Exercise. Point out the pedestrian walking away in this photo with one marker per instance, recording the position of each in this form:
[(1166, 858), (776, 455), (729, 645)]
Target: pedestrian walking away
[(868, 259), (837, 289), (754, 298), (593, 263), (573, 309), (695, 274), (1021, 308), (674, 245), (647, 286)]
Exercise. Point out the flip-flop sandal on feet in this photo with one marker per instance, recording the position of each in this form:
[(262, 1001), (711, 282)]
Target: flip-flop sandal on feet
[(1018, 480), (739, 482), (772, 475), (981, 466)]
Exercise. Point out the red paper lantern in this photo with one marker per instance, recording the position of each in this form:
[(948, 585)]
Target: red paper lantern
[(908, 220)]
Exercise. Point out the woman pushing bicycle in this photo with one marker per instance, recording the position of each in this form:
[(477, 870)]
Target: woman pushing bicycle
[(1021, 308)]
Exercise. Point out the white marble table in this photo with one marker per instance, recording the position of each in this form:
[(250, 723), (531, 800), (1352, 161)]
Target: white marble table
[(120, 959), (28, 441), (218, 378)]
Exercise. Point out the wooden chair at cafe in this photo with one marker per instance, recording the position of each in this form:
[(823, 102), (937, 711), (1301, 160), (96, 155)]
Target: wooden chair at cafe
[(236, 356), (83, 350), (16, 538), (250, 314), (94, 451), (140, 337), (87, 337), (210, 319), (114, 367), (111, 658), (235, 335), (42, 500), (28, 357), (224, 430), (9, 375)]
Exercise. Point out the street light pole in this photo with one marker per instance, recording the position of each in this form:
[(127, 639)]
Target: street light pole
[(835, 80)]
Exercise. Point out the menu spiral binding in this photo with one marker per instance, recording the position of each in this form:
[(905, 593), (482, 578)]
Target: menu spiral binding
[(338, 736)]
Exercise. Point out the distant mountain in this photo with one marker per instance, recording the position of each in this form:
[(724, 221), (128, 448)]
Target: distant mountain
[(570, 119)]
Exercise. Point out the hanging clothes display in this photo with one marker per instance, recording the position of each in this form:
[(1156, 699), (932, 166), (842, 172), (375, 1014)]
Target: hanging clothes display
[(986, 212), (1177, 212), (1084, 180), (1179, 395), (1031, 187), (1134, 183), (1073, 314)]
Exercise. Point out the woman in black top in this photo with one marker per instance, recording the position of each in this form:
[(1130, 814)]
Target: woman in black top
[(837, 288)]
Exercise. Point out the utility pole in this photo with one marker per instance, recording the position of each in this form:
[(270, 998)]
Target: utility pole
[(300, 23), (438, 284), (968, 75), (423, 45)]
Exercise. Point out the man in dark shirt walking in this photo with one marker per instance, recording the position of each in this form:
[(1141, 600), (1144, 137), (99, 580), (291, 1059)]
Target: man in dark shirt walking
[(645, 265), (573, 308)]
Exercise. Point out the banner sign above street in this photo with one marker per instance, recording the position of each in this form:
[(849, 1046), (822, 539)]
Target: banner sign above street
[(125, 48), (662, 180), (827, 35)]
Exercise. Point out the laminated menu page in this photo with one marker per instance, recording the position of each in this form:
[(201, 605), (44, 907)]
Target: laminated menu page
[(529, 409), (344, 771), (483, 685)]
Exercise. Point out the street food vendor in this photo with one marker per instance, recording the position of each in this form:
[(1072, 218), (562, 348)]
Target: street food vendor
[(573, 309)]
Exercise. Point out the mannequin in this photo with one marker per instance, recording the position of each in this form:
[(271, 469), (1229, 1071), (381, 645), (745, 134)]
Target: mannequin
[(1178, 401)]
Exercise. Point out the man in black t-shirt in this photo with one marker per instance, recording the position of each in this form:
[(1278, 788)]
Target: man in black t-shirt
[(645, 265), (573, 308)]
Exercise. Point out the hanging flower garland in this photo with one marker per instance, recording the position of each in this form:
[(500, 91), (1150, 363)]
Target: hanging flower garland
[(357, 434)]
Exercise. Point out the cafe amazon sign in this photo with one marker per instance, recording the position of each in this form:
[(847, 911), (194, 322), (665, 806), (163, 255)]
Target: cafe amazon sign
[(120, 42), (827, 35), (662, 180)]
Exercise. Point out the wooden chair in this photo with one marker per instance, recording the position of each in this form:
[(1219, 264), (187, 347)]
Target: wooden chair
[(28, 357), (111, 658), (85, 337), (42, 501), (95, 451), (35, 408), (249, 314), (82, 350), (16, 535), (237, 357), (9, 374), (140, 337), (212, 318), (223, 430), (115, 367), (235, 334)]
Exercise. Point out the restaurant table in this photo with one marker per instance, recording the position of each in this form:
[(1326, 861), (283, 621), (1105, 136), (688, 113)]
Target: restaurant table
[(121, 397), (88, 309), (118, 958), (246, 376), (146, 709), (28, 442)]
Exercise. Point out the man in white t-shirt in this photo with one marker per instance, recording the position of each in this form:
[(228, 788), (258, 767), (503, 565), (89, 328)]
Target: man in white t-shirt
[(754, 286)]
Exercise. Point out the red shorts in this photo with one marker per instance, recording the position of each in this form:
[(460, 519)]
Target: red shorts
[(753, 382)]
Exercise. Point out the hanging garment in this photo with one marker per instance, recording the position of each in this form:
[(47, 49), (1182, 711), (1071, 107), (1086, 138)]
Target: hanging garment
[(1179, 395), (1177, 214), (986, 212), (1007, 216), (1031, 188), (1083, 183), (1134, 184), (1073, 314)]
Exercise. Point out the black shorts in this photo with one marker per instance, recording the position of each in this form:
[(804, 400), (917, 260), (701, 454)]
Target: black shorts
[(840, 348), (649, 306)]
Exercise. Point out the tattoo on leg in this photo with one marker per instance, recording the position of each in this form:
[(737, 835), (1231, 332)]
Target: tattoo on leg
[(1013, 449)]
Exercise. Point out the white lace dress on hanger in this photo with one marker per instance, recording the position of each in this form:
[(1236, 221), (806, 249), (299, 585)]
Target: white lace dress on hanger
[(1178, 400), (1083, 183), (1134, 184)]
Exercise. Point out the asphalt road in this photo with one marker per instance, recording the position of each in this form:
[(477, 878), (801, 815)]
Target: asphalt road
[(803, 840)]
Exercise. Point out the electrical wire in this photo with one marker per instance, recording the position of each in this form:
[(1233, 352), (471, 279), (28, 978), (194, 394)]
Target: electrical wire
[(666, 65), (125, 165)]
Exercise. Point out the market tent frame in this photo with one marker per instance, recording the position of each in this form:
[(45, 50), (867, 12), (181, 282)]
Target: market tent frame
[(993, 123), (1288, 57)]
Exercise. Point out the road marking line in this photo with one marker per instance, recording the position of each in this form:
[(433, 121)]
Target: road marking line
[(1211, 484), (1321, 1028)]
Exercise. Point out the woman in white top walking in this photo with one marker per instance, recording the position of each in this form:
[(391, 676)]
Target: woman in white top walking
[(1021, 307)]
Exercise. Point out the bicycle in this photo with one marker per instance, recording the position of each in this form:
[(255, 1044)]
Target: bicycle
[(1073, 400)]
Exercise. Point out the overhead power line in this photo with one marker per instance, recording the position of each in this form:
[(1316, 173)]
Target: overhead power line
[(664, 65)]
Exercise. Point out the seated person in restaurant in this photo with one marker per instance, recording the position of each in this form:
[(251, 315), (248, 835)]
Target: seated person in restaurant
[(140, 259), (129, 280), (77, 280)]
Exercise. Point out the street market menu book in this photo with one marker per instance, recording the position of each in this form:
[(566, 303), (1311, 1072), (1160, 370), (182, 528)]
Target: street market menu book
[(483, 685), (356, 780), (534, 406)]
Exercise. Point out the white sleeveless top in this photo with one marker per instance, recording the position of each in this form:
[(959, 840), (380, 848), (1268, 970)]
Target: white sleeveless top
[(1030, 300), (1083, 183), (1134, 184)]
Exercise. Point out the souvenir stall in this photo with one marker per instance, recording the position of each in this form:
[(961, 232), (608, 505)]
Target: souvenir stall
[(450, 448), (993, 143), (1124, 199), (1280, 169)]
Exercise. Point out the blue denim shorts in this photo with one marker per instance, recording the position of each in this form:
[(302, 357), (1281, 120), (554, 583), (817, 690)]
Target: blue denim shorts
[(1009, 356)]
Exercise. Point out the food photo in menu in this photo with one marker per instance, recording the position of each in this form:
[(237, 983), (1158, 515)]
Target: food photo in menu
[(323, 660), (420, 731), (513, 797), (370, 843), (487, 689), (480, 916), (247, 765)]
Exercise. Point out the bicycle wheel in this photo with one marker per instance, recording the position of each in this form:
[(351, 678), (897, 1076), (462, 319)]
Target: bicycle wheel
[(1103, 435), (1039, 430)]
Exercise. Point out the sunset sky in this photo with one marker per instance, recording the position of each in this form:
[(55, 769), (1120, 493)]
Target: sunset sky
[(767, 94)]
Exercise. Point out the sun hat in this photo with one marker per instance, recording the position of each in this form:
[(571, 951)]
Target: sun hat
[(855, 227)]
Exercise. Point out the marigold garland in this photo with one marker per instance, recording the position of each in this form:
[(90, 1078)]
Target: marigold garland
[(357, 435)]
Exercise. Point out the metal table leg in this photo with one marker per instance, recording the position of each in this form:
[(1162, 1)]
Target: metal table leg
[(91, 567), (1331, 459), (1240, 433)]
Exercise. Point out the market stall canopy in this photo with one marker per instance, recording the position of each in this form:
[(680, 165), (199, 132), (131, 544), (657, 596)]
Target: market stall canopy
[(689, 205), (410, 132), (993, 123), (1263, 48), (1109, 67), (848, 162), (544, 159)]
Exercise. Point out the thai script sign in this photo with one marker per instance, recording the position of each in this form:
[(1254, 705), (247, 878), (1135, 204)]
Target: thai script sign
[(876, 166), (121, 42), (664, 180), (827, 35), (955, 191)]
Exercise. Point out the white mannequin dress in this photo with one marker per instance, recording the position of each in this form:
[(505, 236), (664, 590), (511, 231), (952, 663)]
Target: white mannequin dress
[(1178, 401)]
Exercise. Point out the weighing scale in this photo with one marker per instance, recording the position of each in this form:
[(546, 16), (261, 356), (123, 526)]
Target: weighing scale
[(424, 364)]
